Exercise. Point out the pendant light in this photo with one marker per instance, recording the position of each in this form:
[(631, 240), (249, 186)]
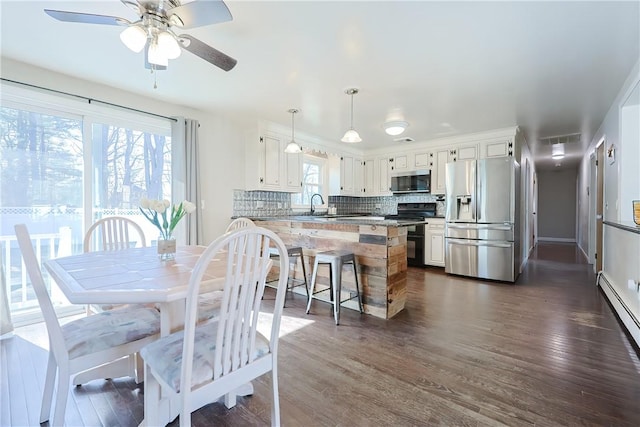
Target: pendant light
[(351, 136), (293, 147)]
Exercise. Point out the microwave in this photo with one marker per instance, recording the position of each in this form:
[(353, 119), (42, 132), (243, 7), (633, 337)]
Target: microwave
[(411, 182)]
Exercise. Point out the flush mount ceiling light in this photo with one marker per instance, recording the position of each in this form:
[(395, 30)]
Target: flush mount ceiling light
[(557, 151), (293, 147), (395, 128), (351, 136)]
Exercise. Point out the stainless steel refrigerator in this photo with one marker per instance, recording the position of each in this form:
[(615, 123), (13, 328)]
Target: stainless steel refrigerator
[(482, 233)]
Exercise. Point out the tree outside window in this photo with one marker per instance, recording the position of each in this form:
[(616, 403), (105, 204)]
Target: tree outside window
[(312, 182)]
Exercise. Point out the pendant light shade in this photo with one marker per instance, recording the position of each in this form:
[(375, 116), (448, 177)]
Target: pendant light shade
[(293, 147), (351, 136)]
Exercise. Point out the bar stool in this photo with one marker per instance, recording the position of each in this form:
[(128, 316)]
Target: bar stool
[(336, 259), (296, 253)]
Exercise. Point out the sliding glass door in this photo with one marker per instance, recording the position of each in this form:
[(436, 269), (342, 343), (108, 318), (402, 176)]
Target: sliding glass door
[(60, 171), (128, 165)]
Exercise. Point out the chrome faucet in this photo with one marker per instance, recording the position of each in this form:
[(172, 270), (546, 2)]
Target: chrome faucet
[(313, 209)]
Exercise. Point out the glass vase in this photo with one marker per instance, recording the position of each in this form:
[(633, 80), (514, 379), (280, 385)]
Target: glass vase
[(167, 248)]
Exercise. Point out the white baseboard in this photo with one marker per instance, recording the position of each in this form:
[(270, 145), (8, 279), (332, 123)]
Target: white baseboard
[(556, 239), (584, 253), (625, 315)]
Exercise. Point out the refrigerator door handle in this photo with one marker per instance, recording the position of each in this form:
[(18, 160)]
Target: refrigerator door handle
[(480, 227), (465, 242)]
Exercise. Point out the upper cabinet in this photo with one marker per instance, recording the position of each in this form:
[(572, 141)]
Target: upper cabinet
[(497, 149), (438, 167), (351, 176), (268, 167), (463, 152), (422, 160), (376, 176)]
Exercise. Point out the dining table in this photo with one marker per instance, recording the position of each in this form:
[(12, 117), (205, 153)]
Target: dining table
[(136, 276)]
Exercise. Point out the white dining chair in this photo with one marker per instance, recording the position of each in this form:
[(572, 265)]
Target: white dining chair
[(83, 343), (239, 223), (112, 233), (203, 363)]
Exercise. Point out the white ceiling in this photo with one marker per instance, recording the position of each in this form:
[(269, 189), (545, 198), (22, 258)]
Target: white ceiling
[(448, 68)]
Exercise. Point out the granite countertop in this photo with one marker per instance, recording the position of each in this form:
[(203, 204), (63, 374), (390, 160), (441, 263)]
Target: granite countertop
[(343, 219)]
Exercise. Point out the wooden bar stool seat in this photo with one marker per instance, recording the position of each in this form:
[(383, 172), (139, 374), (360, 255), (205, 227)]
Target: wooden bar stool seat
[(336, 260)]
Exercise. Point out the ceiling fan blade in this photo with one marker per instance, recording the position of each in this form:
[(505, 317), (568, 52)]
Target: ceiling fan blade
[(133, 5), (207, 53), (199, 13), (86, 18)]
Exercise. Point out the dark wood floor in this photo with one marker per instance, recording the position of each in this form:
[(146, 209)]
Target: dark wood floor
[(546, 351)]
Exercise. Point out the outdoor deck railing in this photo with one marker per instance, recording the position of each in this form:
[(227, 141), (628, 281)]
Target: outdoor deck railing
[(18, 287)]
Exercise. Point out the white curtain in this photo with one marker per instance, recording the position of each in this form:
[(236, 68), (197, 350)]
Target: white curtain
[(192, 181), (5, 316)]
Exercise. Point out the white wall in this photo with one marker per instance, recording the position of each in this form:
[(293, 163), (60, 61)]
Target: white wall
[(557, 205), (621, 248), (221, 140)]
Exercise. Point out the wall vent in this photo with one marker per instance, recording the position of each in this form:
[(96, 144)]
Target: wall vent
[(403, 139), (571, 138)]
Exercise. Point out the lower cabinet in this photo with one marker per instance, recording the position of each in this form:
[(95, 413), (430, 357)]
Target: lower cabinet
[(434, 242)]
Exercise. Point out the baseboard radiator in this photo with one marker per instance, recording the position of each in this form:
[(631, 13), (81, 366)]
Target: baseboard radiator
[(626, 316)]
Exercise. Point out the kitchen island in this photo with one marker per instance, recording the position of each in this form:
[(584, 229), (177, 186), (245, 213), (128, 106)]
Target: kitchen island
[(380, 247)]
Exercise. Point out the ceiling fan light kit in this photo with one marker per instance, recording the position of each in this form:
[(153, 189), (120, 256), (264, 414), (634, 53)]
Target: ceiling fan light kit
[(351, 136), (134, 37), (395, 128), (154, 29)]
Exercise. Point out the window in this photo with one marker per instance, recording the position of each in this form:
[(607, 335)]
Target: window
[(62, 166), (313, 181)]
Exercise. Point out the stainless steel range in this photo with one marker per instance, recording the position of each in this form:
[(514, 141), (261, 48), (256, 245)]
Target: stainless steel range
[(411, 213)]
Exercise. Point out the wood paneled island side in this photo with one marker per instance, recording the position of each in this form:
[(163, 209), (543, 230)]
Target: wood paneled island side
[(380, 249)]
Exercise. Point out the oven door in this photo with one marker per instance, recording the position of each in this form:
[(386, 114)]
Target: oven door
[(415, 250)]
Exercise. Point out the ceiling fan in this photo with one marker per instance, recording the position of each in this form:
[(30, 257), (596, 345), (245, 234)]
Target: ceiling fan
[(155, 31)]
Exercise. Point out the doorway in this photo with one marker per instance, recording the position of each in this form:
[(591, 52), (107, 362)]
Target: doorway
[(599, 203)]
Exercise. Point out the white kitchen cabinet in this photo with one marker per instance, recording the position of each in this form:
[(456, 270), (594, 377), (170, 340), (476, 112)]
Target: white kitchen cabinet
[(376, 176), (383, 179), (497, 149), (463, 152), (434, 242), (421, 161), (351, 176), (369, 172), (293, 172), (401, 163), (346, 175), (440, 160), (358, 177), (268, 167)]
